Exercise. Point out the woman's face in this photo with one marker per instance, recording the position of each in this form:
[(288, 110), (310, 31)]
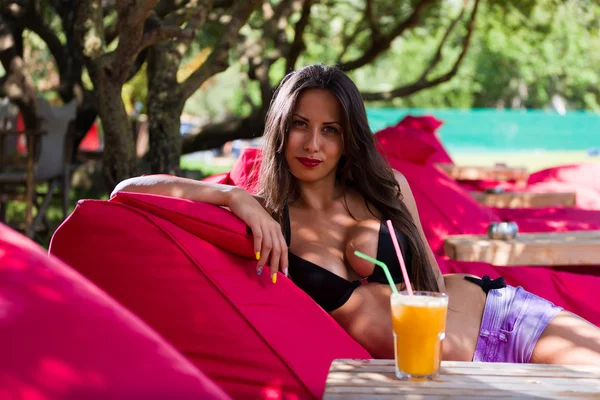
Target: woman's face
[(315, 139)]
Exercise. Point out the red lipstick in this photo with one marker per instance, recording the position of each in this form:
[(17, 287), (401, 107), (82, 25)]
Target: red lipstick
[(308, 162)]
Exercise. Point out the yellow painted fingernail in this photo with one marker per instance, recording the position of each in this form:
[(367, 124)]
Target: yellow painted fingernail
[(275, 278), (258, 255)]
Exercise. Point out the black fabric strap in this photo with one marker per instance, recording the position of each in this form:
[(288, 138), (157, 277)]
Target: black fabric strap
[(486, 283)]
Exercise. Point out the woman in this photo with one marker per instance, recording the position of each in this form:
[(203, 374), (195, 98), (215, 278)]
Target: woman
[(323, 180)]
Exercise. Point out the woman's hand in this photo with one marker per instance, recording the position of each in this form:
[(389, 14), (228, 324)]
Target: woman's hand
[(268, 237)]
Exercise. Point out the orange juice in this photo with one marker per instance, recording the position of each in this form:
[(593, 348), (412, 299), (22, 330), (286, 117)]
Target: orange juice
[(419, 324)]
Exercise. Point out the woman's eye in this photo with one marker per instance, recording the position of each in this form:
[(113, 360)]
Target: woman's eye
[(299, 123), (331, 129)]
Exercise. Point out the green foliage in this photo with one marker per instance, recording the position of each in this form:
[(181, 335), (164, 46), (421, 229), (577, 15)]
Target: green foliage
[(522, 53), (551, 50), (136, 90)]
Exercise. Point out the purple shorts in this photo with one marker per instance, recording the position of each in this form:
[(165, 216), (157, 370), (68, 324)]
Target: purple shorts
[(513, 320)]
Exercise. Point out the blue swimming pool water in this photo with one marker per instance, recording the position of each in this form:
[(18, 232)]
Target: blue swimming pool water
[(490, 130)]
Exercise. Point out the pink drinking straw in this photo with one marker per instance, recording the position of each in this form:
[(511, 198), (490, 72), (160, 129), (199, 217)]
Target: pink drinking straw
[(400, 258)]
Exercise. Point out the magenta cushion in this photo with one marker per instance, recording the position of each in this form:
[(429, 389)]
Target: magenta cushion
[(167, 260), (425, 123), (585, 175), (587, 198), (410, 148), (244, 172), (63, 338), (424, 129)]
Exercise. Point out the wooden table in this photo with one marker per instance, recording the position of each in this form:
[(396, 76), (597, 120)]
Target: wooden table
[(496, 173), (553, 248), (525, 199), (375, 379)]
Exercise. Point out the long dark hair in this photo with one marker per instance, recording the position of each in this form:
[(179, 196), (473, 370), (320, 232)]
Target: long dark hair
[(362, 167)]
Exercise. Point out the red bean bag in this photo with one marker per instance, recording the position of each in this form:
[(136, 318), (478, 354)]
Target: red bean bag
[(63, 338), (587, 175), (414, 139), (244, 172), (413, 148), (551, 219), (583, 179), (586, 197), (187, 269)]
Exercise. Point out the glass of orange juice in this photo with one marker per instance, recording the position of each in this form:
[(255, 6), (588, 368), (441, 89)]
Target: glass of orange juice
[(419, 324)]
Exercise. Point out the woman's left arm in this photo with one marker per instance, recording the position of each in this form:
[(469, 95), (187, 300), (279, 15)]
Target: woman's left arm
[(409, 202)]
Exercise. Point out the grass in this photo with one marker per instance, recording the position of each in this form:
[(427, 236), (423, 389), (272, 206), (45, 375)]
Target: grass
[(15, 213), (218, 165)]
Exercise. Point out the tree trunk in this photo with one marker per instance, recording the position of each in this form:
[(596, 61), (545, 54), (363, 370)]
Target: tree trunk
[(165, 105), (119, 159)]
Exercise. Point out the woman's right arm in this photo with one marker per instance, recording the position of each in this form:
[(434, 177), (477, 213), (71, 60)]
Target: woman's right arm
[(183, 188), (268, 237)]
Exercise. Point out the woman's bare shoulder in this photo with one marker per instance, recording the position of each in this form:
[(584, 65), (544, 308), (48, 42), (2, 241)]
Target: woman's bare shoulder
[(401, 179)]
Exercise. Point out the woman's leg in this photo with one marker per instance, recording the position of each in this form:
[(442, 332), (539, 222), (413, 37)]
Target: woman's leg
[(568, 339)]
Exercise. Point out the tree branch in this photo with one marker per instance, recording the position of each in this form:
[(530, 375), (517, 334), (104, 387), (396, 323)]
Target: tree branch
[(438, 53), (218, 59), (259, 71), (370, 19), (423, 83), (17, 84), (132, 25), (70, 77), (194, 14), (166, 7), (348, 40), (215, 135), (298, 45), (223, 3), (111, 32), (34, 21), (107, 6), (164, 32), (275, 25), (380, 43), (137, 64), (283, 10), (88, 30)]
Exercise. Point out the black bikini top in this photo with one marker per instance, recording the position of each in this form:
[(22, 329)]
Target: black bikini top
[(331, 291)]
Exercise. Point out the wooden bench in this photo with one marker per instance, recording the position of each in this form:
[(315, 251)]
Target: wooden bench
[(525, 199), (375, 379), (553, 248), (496, 173)]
